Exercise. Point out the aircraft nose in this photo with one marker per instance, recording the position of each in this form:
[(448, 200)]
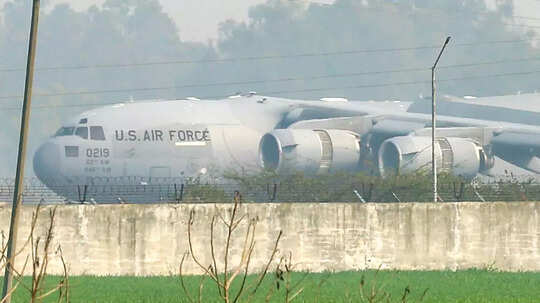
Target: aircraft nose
[(47, 162)]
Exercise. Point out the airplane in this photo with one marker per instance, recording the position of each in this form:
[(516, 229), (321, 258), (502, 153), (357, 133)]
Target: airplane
[(163, 142)]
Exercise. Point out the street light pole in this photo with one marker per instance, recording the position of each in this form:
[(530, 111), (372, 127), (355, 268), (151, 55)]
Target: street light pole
[(19, 177), (434, 122)]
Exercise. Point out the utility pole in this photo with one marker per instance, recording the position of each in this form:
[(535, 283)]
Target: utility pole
[(19, 177), (434, 122)]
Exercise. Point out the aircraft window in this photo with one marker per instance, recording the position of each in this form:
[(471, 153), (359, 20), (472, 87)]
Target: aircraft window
[(65, 131), (72, 151), (82, 132), (96, 133)]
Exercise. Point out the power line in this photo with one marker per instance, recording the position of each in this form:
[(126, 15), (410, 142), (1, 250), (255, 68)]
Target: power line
[(270, 57), (252, 58), (404, 83), (521, 25), (525, 17), (528, 59), (93, 92), (287, 79)]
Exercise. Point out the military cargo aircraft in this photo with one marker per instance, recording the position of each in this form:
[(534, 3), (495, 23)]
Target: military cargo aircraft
[(167, 141)]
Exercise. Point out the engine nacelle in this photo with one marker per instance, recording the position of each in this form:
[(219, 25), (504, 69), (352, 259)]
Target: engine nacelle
[(310, 151), (409, 154)]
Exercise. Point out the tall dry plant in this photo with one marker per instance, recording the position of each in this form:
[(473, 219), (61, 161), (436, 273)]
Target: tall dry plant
[(284, 279), (39, 257), (376, 292), (4, 261), (223, 278)]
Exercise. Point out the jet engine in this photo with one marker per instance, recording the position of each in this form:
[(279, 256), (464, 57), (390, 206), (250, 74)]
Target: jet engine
[(315, 151), (409, 154)]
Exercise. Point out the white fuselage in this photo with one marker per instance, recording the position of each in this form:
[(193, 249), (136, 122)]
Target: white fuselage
[(155, 142)]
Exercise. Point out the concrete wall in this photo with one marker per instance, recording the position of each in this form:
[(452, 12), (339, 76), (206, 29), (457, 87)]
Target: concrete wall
[(150, 239)]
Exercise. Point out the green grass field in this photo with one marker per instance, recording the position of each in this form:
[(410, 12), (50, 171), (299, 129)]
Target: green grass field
[(442, 286)]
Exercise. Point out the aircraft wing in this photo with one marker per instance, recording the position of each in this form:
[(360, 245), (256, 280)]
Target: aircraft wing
[(520, 140), (519, 148), (396, 141)]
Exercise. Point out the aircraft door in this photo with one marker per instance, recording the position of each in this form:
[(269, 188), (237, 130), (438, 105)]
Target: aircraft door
[(95, 151)]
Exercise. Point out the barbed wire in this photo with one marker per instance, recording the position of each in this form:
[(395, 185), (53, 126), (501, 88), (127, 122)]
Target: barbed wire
[(162, 190), (277, 92)]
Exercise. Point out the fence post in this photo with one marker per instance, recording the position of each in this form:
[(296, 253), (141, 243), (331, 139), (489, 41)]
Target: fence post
[(369, 192), (396, 197), (359, 196), (82, 198), (459, 197), (274, 193), (237, 197), (180, 197), (478, 194)]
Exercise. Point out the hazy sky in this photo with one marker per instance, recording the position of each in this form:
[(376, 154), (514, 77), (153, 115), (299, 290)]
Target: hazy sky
[(198, 20)]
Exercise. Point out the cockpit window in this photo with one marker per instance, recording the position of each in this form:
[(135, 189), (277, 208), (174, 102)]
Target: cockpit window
[(65, 131), (96, 133), (82, 132)]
